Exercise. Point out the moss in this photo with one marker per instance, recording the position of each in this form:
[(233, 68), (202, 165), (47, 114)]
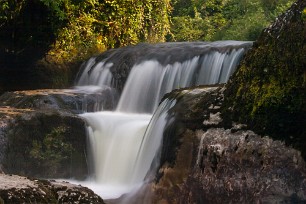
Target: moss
[(304, 14), (268, 90), (53, 151)]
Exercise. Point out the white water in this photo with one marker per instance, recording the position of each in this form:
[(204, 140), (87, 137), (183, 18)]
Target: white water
[(124, 146), (115, 139)]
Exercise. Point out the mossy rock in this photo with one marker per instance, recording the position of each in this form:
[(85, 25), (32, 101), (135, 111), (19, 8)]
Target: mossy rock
[(268, 90), (46, 144)]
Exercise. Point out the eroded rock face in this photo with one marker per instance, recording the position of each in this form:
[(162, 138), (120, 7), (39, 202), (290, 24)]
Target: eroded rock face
[(229, 166), (224, 163), (244, 167), (18, 189)]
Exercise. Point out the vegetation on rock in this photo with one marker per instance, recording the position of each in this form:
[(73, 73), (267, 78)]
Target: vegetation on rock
[(268, 91), (53, 150), (45, 143)]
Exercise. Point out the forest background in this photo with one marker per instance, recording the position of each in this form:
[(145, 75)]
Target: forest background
[(43, 42)]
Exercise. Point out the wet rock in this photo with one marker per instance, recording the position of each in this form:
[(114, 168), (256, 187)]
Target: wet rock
[(18, 189), (244, 167), (6, 115), (80, 99), (194, 105), (189, 112)]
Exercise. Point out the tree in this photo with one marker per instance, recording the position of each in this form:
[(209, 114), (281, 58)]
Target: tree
[(39, 38), (202, 18), (75, 27)]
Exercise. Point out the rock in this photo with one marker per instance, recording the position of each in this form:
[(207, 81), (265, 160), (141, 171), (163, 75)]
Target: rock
[(78, 100), (243, 167), (217, 166), (217, 162), (40, 134), (45, 143), (6, 115), (268, 90), (189, 112), (194, 105), (18, 189)]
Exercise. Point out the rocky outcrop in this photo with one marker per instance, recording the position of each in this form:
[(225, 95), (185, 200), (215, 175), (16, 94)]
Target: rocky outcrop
[(241, 143), (46, 143), (78, 100), (40, 134), (224, 165), (17, 189), (268, 90), (192, 107), (221, 166)]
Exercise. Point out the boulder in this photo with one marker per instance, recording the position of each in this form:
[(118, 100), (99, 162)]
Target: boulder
[(221, 166), (268, 90), (45, 143), (215, 164), (18, 189), (42, 136)]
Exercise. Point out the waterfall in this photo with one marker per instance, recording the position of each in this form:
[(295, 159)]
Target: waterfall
[(124, 143)]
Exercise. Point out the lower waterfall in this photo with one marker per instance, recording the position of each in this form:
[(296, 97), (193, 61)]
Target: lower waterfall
[(124, 143)]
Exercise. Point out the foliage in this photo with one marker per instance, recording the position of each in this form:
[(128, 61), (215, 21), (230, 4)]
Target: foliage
[(56, 7), (225, 19), (43, 42), (81, 28), (247, 27), (114, 23), (9, 10), (94, 25), (196, 19), (304, 14), (186, 28)]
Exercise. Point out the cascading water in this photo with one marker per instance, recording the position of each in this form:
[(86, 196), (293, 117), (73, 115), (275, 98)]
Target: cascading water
[(122, 142)]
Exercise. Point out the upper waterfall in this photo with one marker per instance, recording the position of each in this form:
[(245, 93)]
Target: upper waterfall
[(149, 71)]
